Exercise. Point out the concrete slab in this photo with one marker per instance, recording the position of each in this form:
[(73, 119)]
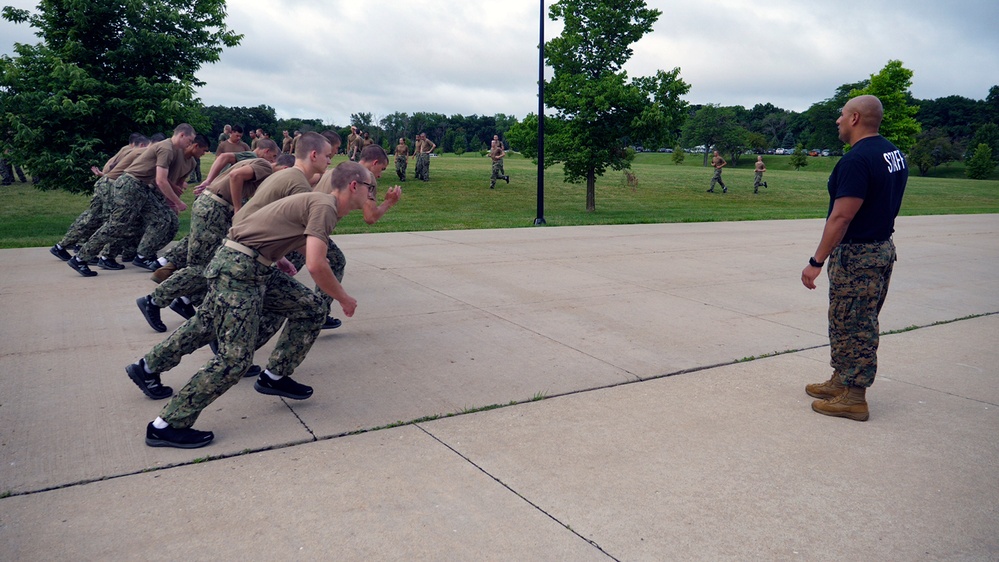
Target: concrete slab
[(452, 322), (392, 495), (731, 463)]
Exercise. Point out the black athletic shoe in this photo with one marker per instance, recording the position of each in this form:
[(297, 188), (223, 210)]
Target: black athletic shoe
[(332, 323), (185, 438), (60, 253), (184, 309), (253, 371), (109, 263), (507, 178), (282, 387), (148, 263), (712, 190), (149, 384), (765, 184), (80, 267), (151, 312)]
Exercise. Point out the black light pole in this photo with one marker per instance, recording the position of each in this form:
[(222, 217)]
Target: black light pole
[(540, 219)]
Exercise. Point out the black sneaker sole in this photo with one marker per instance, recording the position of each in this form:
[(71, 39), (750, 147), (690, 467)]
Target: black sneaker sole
[(82, 269), (137, 375), (55, 252), (110, 265), (275, 392), (141, 303), (153, 442)]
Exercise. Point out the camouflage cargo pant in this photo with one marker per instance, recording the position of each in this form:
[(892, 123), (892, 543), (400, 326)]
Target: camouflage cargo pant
[(758, 180), (210, 221), (96, 215), (423, 166), (400, 167), (177, 254), (717, 179), (160, 224), (497, 172), (241, 291), (130, 199), (338, 262), (858, 284)]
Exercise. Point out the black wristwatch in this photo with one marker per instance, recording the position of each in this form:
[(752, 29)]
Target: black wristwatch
[(813, 263)]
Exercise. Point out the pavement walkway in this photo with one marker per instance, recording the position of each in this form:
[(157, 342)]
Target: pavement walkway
[(627, 392)]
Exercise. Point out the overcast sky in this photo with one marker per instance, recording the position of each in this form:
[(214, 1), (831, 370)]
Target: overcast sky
[(329, 59)]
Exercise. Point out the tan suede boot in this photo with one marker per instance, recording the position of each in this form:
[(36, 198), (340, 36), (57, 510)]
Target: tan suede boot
[(161, 274), (825, 390), (850, 404)]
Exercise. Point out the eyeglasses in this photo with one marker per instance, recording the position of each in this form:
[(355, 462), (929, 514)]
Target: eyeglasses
[(372, 189)]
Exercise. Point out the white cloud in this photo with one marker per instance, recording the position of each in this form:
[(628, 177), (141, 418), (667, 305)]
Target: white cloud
[(329, 59)]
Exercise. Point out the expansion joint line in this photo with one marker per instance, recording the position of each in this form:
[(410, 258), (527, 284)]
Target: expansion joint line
[(516, 493)]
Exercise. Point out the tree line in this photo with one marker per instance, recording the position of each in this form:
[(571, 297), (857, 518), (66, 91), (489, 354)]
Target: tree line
[(68, 102)]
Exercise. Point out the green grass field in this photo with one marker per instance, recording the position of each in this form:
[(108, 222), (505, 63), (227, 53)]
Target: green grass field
[(458, 197)]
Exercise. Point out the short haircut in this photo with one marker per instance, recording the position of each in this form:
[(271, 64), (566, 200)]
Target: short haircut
[(267, 144), (374, 153), (331, 136), (347, 172), (157, 137), (236, 129), (308, 142), (134, 138), (201, 141), (286, 160), (184, 129)]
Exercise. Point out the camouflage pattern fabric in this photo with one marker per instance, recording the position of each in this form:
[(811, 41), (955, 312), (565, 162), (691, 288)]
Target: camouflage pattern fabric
[(423, 166), (717, 178), (210, 221), (177, 254), (129, 199), (92, 218), (497, 172), (400, 166), (858, 284), (338, 262), (160, 224), (758, 181), (241, 290)]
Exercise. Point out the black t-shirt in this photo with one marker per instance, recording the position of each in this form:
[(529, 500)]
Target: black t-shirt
[(876, 171)]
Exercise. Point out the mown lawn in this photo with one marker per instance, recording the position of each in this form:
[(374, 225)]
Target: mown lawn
[(458, 197)]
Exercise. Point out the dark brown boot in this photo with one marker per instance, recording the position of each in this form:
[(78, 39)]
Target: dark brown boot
[(825, 390), (851, 404)]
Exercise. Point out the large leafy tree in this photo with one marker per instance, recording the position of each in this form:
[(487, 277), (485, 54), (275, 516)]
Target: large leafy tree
[(891, 85), (102, 70), (714, 127), (599, 108)]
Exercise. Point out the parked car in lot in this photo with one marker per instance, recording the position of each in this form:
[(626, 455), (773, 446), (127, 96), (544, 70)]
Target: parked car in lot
[(825, 152)]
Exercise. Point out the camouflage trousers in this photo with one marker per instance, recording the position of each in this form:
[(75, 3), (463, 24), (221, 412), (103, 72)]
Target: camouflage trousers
[(177, 254), (758, 180), (717, 179), (131, 198), (241, 292), (400, 167), (858, 284), (210, 221), (337, 261), (423, 166), (91, 219), (497, 172)]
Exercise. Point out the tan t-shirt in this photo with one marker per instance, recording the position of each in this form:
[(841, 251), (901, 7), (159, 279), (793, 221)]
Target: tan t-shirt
[(124, 162), (161, 154), (261, 170), (113, 161), (277, 186), (401, 149), (229, 146), (284, 225)]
